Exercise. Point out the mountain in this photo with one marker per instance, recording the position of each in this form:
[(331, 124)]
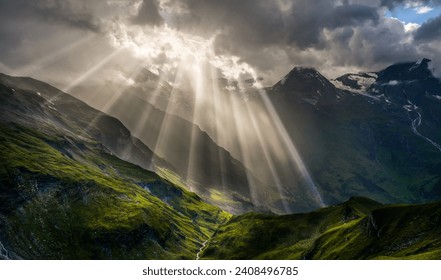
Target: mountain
[(66, 193), (373, 134), (306, 84), (357, 229)]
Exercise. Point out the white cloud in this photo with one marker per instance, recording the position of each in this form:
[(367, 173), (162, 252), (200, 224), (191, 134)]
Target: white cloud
[(423, 9), (165, 49), (411, 26), (413, 4)]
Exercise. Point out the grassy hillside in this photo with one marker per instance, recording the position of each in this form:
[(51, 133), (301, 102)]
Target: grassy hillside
[(65, 199), (66, 193), (357, 229)]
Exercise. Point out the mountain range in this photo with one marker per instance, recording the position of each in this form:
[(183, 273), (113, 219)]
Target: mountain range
[(76, 184), (374, 134)]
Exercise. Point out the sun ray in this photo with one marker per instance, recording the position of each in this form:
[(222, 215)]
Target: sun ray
[(268, 161), (85, 75), (152, 98), (113, 99), (198, 80), (291, 148), (93, 70), (245, 149), (216, 103), (31, 68), (159, 145)]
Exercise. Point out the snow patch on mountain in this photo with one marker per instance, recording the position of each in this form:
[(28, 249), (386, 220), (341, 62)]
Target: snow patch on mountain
[(356, 83)]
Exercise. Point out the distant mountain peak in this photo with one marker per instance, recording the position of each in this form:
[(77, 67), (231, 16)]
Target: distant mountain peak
[(407, 71), (307, 84), (304, 72), (302, 78), (303, 69)]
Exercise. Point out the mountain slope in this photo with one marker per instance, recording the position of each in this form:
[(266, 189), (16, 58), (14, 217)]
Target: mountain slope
[(409, 85), (357, 229), (412, 86), (63, 195), (40, 103)]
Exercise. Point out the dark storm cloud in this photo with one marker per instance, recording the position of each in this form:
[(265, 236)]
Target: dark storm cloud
[(349, 15), (305, 29), (69, 12), (430, 30), (149, 13), (383, 43), (259, 31), (254, 21), (260, 23)]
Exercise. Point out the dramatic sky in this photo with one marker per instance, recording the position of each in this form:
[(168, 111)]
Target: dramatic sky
[(66, 41)]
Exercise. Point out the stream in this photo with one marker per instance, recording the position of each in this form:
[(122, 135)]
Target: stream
[(3, 252), (415, 123), (202, 248)]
